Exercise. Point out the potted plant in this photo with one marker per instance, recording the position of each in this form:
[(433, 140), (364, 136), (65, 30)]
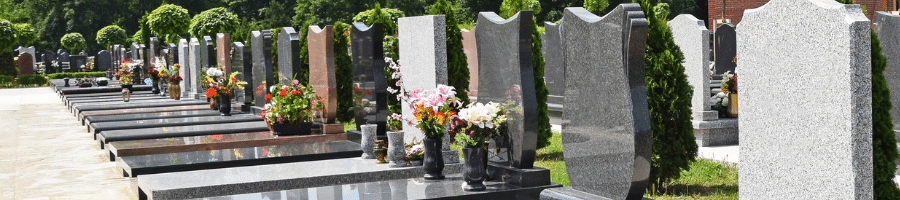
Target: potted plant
[(85, 82), (211, 73), (174, 80), (719, 103), (125, 76), (730, 85), (471, 128), (223, 88), (153, 72), (102, 81), (290, 108)]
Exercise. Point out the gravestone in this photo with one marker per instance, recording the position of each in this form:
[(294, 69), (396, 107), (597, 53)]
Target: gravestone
[(135, 51), (196, 63), (207, 53), (692, 37), (223, 52), (143, 53), (288, 56), (606, 119), (321, 70), (77, 61), (103, 61), (261, 42), (241, 62), (63, 56), (184, 70), (64, 64), (164, 57), (805, 101), (25, 64), (471, 50), (48, 58), (887, 26), (30, 51), (504, 47), (151, 53), (555, 68), (173, 56), (115, 57), (368, 75), (725, 49)]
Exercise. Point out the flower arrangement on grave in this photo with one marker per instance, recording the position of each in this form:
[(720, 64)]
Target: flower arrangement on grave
[(102, 81), (124, 75), (414, 151), (222, 88), (174, 80), (476, 123), (289, 106), (730, 85), (719, 103)]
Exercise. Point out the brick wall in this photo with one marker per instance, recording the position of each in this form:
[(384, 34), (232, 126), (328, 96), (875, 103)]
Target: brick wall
[(735, 8)]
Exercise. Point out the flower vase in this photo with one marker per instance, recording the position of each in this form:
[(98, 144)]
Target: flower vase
[(176, 91), (434, 159), (396, 151), (67, 82), (126, 94), (155, 87), (367, 142), (214, 103), (733, 105), (225, 105), (474, 169)]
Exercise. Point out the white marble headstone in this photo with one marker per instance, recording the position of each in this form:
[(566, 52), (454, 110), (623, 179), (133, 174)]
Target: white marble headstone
[(692, 37), (423, 40)]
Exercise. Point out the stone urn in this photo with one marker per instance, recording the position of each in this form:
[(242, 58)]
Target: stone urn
[(434, 160), (395, 151), (474, 169), (367, 142)]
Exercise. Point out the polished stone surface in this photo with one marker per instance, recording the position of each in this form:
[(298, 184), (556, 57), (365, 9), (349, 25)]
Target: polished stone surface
[(172, 56), (82, 115), (725, 51), (152, 115), (248, 156), (240, 62), (207, 52), (196, 64), (692, 37), (96, 127), (209, 142), (412, 188), (184, 61), (887, 27), (606, 120), (104, 62), (223, 51), (471, 50), (151, 58), (95, 95), (321, 68), (127, 105), (115, 99), (368, 75), (110, 88), (287, 176), (288, 56), (716, 133), (425, 39), (181, 131), (506, 76), (805, 101), (555, 67), (261, 44)]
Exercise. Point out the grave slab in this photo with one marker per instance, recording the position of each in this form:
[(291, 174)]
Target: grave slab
[(254, 179), (82, 115), (134, 166), (127, 105), (110, 88), (209, 142), (112, 99), (154, 115), (179, 131), (168, 122)]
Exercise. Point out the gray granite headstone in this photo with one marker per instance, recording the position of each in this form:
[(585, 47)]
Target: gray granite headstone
[(207, 52), (172, 54), (63, 56), (505, 76), (368, 74), (692, 37), (725, 49), (184, 57), (424, 39), (77, 61), (164, 57), (240, 62), (135, 51), (805, 101), (196, 64), (261, 45), (888, 27), (48, 58), (554, 69), (151, 53), (606, 120), (288, 54), (103, 60)]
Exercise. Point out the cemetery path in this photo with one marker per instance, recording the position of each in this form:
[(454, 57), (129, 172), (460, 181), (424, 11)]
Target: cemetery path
[(47, 154)]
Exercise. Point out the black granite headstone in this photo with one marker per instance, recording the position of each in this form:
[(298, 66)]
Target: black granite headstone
[(726, 49), (288, 55), (150, 62), (262, 66), (172, 57), (103, 60), (241, 62), (368, 74), (555, 69), (505, 76), (77, 61), (48, 58), (208, 52)]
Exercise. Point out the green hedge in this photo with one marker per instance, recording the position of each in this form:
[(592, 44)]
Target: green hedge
[(76, 75), (31, 80), (7, 80)]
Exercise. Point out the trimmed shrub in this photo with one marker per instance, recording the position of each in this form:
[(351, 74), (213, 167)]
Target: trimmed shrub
[(884, 143), (168, 21), (7, 39), (76, 75), (303, 74), (386, 16), (110, 35), (6, 80), (25, 34), (343, 68), (73, 41), (31, 80), (216, 20), (457, 65)]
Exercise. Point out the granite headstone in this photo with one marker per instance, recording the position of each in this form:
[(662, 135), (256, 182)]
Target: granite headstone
[(261, 42), (321, 68), (555, 68), (184, 63), (196, 64), (30, 50), (172, 54), (887, 26), (805, 101), (692, 37), (223, 52), (471, 50), (425, 39), (288, 54), (368, 75), (207, 53), (25, 64), (725, 49), (241, 62), (135, 51), (77, 61), (103, 60), (151, 53)]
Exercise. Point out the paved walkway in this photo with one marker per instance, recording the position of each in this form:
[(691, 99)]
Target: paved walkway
[(46, 154)]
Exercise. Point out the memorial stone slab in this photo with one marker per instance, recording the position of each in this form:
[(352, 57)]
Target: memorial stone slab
[(262, 66), (887, 25), (608, 154), (172, 53), (207, 52), (96, 127), (555, 69), (164, 57), (135, 51), (423, 38), (207, 142), (103, 60), (126, 105), (151, 53), (223, 51), (25, 66), (146, 116), (471, 50), (196, 63), (63, 56), (504, 47), (48, 58), (288, 58), (240, 62), (85, 114), (184, 57), (77, 61), (368, 75), (180, 131), (321, 68), (143, 53), (785, 128), (30, 50), (725, 49), (692, 37)]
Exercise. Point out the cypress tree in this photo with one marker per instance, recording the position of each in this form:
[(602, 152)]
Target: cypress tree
[(343, 68), (303, 74)]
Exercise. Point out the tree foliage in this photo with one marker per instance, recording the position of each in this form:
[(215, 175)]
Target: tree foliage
[(303, 74), (212, 21), (169, 21), (510, 8), (343, 68), (7, 35), (457, 65), (25, 34), (73, 41), (326, 11), (110, 35), (884, 143), (669, 100), (596, 6), (386, 16)]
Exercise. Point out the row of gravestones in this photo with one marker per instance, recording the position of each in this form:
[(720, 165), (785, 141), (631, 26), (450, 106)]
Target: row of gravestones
[(49, 61)]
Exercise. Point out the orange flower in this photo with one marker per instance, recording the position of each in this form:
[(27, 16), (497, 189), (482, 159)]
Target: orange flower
[(294, 92), (210, 92), (283, 92), (268, 97), (300, 92)]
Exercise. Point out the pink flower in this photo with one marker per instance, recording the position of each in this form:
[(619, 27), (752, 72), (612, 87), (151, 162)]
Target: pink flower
[(280, 120), (396, 116), (296, 82), (396, 75), (446, 91), (400, 83)]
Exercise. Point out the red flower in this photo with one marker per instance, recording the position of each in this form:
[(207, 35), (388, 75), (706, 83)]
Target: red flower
[(368, 91), (262, 114), (283, 92), (300, 92), (268, 97), (357, 89), (210, 92), (294, 92)]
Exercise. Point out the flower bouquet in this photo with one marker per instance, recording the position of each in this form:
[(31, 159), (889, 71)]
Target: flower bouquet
[(223, 88), (290, 108), (125, 76), (475, 124), (415, 151), (730, 85)]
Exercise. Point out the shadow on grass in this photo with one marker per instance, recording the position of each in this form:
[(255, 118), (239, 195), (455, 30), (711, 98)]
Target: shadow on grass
[(552, 156)]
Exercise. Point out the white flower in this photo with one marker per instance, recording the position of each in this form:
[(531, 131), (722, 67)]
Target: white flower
[(725, 101)]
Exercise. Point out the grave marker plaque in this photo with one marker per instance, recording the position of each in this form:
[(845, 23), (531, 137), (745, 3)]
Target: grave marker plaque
[(555, 69), (321, 68), (471, 50), (288, 58), (261, 42), (805, 100), (368, 75), (692, 37), (725, 49), (223, 52)]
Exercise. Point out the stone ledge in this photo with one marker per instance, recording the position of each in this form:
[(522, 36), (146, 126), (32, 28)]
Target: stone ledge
[(716, 133)]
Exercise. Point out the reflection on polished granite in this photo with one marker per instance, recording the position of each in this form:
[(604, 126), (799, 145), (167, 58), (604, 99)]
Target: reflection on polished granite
[(139, 101), (263, 178), (155, 115), (103, 89), (181, 131), (104, 94), (110, 99), (127, 105), (248, 156), (84, 114), (169, 122), (210, 142)]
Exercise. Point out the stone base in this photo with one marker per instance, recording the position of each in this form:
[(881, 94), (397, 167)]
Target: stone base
[(332, 128), (716, 133), (519, 177), (451, 156), (245, 108), (705, 115)]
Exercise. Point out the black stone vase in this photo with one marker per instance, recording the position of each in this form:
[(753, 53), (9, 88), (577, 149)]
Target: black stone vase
[(225, 105), (434, 159), (474, 169), (155, 87), (67, 82)]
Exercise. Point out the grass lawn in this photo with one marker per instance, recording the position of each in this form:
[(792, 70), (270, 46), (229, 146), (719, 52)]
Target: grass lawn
[(705, 180)]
